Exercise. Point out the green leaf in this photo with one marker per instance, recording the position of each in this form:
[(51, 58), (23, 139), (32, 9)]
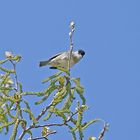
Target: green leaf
[(48, 116), (4, 119), (14, 132), (8, 110), (92, 138), (17, 97), (81, 134), (79, 119), (16, 58), (59, 96), (74, 129), (45, 131), (5, 90), (69, 100), (6, 124), (41, 101), (74, 121), (4, 79), (60, 114), (50, 89), (79, 89), (27, 104), (11, 99), (30, 133), (81, 95), (76, 80), (23, 124), (20, 87), (3, 61), (89, 123), (72, 132), (7, 70), (31, 115), (70, 92), (33, 93), (61, 80), (64, 70), (52, 77)]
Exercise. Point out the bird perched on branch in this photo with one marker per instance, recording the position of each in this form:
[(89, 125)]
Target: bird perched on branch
[(61, 60)]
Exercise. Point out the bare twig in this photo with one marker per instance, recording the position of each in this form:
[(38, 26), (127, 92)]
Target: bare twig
[(46, 125), (43, 111), (39, 138), (44, 137), (56, 124), (106, 125), (32, 125), (16, 78), (72, 27)]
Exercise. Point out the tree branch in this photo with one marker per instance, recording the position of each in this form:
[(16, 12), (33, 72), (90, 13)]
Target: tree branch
[(57, 124), (32, 125), (44, 137), (72, 27), (105, 128), (46, 125), (16, 78), (43, 111)]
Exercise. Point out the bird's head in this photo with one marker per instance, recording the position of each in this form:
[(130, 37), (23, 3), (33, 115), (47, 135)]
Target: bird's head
[(81, 52)]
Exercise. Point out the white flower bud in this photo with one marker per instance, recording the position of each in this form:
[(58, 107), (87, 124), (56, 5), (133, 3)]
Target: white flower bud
[(7, 85), (76, 109), (47, 128), (72, 25), (70, 33), (8, 54)]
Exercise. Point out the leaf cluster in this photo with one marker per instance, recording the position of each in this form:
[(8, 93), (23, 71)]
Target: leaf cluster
[(16, 112)]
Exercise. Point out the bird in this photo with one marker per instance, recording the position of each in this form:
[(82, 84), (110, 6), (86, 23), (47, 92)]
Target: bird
[(60, 60)]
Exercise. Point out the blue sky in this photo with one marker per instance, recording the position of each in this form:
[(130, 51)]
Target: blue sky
[(107, 30)]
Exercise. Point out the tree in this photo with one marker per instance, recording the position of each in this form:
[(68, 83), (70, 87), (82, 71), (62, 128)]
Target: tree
[(15, 107)]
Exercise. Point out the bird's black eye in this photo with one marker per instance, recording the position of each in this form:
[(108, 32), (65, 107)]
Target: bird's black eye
[(81, 52)]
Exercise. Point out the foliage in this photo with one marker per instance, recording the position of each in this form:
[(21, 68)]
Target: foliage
[(14, 105)]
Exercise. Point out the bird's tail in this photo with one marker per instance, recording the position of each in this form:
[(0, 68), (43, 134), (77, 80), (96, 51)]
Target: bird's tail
[(43, 63)]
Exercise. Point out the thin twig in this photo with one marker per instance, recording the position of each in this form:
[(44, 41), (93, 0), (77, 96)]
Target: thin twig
[(103, 131), (72, 27), (46, 125), (44, 137), (38, 117), (56, 124), (43, 111), (16, 78), (39, 138)]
